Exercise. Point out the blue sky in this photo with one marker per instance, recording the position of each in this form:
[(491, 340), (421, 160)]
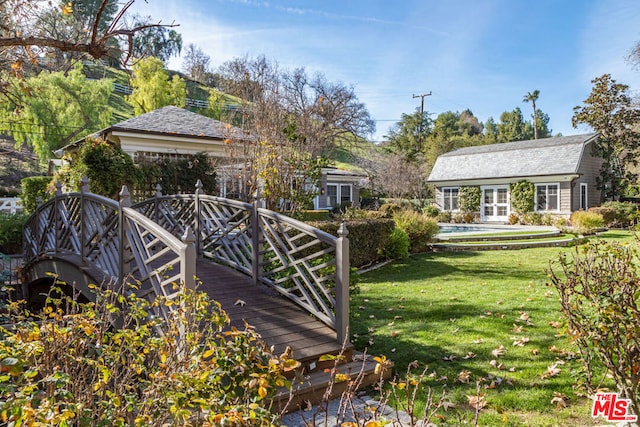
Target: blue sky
[(484, 55)]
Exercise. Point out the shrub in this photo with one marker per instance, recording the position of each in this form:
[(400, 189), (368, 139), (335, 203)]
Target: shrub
[(584, 222), (444, 216), (366, 238), (514, 218), (522, 196), (532, 218), (11, 233), (314, 215), (397, 245), (70, 366), (598, 290), (625, 214), (469, 199), (431, 211), (420, 228), (389, 209), (34, 187), (608, 214)]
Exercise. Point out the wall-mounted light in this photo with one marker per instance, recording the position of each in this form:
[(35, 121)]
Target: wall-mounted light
[(322, 191)]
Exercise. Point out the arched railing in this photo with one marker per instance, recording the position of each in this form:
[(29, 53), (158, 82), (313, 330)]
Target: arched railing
[(305, 264), (156, 242), (114, 238)]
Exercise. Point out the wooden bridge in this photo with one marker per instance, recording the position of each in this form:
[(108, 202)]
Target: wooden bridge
[(288, 280)]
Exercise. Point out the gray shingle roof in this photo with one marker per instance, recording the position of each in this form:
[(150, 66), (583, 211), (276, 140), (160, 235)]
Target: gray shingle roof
[(541, 157), (177, 121)]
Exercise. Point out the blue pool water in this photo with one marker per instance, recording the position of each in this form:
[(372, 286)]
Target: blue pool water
[(466, 229)]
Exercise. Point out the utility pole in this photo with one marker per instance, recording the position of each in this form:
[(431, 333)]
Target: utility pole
[(421, 116), (422, 103)]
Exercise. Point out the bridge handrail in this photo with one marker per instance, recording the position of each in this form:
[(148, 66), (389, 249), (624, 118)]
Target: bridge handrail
[(115, 238), (157, 241), (305, 264)]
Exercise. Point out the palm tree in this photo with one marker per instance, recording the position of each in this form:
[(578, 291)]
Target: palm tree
[(533, 97)]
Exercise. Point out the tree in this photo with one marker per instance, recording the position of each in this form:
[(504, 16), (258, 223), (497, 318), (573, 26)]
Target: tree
[(32, 31), (490, 135), (62, 108), (610, 111), (289, 113), (513, 127), (153, 40), (533, 97), (196, 63), (152, 88), (408, 135), (21, 41)]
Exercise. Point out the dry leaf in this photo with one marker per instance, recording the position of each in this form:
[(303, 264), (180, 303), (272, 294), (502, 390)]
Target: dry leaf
[(555, 325), (520, 341), (478, 341), (464, 376), (449, 358), (560, 400), (552, 371), (470, 355), (240, 302), (477, 402), (394, 334), (498, 351), (517, 328), (523, 316), (497, 365)]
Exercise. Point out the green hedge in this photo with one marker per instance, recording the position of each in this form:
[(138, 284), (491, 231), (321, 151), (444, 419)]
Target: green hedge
[(34, 187), (367, 239), (11, 233)]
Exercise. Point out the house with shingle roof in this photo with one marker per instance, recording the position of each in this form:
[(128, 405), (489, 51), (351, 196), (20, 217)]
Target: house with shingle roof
[(173, 132), (563, 170)]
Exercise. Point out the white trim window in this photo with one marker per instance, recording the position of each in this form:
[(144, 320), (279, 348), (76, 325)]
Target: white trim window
[(337, 194), (450, 198), (547, 197), (584, 196)]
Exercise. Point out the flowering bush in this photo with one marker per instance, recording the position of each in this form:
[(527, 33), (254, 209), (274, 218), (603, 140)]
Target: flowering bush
[(71, 366)]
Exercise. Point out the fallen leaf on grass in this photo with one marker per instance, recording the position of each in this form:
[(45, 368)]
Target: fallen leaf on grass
[(449, 358), (555, 325), (498, 351), (477, 402), (497, 365), (394, 334), (552, 370), (520, 341), (446, 405), (478, 341), (560, 400), (517, 328), (464, 376), (470, 355)]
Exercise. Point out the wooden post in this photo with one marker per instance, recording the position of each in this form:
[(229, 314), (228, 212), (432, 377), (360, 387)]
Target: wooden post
[(198, 219), (188, 259), (342, 284), (256, 241), (84, 189), (123, 266), (156, 203), (56, 215)]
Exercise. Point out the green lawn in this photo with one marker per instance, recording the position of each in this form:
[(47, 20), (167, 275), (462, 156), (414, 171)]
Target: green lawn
[(453, 311)]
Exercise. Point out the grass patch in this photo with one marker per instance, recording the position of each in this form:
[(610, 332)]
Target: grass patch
[(451, 311)]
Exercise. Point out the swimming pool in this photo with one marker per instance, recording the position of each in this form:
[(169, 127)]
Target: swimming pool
[(449, 228)]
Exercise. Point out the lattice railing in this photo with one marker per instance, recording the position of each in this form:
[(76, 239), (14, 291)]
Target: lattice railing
[(305, 264), (300, 262), (153, 243), (121, 242)]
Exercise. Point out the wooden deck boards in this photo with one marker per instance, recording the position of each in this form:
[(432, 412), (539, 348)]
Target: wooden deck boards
[(278, 320)]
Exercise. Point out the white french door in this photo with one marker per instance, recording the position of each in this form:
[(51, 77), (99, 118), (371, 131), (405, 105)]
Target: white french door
[(495, 203)]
